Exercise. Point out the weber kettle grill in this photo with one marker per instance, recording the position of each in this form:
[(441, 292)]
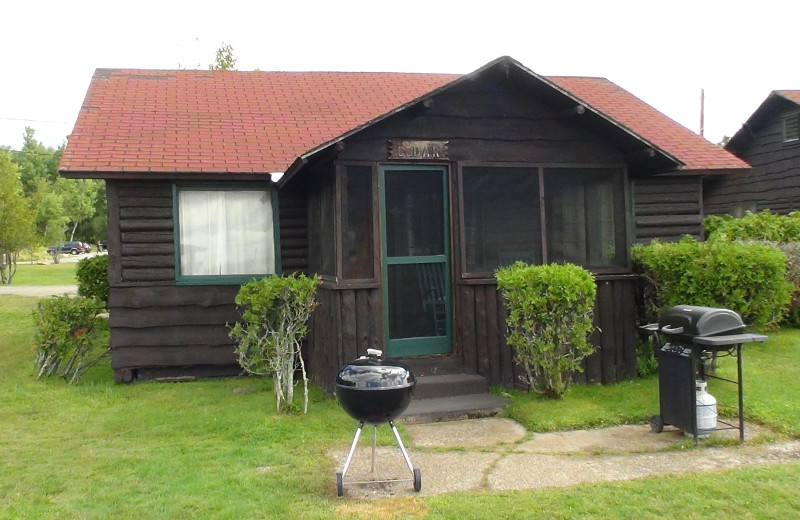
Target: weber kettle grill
[(375, 392)]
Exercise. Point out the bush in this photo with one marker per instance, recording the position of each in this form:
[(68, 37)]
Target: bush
[(92, 276), (275, 312), (549, 320), (747, 278), (764, 226), (65, 338)]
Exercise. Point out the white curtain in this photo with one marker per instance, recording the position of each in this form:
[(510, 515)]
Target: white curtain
[(226, 232)]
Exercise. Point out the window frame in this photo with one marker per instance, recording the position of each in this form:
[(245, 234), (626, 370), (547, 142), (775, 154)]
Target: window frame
[(480, 277), (338, 281), (232, 279)]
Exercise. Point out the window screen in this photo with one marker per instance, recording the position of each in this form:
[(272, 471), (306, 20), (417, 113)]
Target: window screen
[(502, 222), (585, 213)]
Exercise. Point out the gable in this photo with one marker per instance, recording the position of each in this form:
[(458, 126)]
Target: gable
[(767, 117)]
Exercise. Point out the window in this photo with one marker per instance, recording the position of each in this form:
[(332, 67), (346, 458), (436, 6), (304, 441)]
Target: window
[(358, 256), (501, 217), (224, 235), (791, 128), (322, 226), (541, 215), (585, 213)]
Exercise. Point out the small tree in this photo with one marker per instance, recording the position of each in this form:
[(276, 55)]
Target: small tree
[(550, 311), (274, 322), (16, 223), (225, 59)]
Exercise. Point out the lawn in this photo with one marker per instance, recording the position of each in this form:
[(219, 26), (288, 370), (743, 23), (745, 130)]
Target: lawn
[(216, 449), (48, 274)]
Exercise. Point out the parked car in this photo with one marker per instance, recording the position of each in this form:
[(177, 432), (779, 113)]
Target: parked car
[(73, 247)]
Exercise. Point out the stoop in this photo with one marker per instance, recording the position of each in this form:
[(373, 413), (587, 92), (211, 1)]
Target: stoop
[(451, 397)]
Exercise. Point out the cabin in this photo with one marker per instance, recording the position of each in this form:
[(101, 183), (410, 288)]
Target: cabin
[(770, 142), (403, 192)]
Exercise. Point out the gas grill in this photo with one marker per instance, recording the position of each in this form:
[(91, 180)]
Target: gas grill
[(694, 336)]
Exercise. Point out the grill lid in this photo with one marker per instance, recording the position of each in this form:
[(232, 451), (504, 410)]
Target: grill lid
[(370, 373), (685, 322)]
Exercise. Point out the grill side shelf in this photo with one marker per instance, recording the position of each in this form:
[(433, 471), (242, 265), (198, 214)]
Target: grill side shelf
[(729, 340)]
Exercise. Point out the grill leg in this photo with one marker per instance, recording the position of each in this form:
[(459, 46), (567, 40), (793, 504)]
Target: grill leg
[(374, 442), (402, 447), (353, 449)]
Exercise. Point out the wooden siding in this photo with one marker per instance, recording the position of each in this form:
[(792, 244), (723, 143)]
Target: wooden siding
[(773, 183), (347, 322), (343, 326), (158, 328), (482, 329), (667, 208), (483, 126)]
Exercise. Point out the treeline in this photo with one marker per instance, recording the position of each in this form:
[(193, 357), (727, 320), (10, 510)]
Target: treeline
[(40, 209)]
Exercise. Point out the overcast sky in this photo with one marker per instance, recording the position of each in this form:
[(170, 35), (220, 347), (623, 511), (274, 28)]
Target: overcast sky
[(663, 52)]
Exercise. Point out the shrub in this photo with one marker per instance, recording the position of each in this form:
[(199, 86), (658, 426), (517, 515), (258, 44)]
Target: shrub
[(549, 319), (765, 226), (92, 276), (748, 278), (65, 338), (275, 312)]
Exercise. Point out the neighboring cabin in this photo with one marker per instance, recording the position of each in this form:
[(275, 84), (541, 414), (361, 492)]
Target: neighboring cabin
[(770, 142), (402, 191)]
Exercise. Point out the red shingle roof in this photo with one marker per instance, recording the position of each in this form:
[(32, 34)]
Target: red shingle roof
[(225, 121), (694, 151), (172, 121), (791, 95)]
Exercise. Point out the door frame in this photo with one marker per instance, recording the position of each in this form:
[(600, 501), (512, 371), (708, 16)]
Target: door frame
[(426, 345)]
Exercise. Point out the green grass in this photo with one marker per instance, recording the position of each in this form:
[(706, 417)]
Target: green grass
[(217, 449), (49, 274)]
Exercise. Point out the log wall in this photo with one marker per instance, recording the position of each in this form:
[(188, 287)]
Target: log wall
[(667, 208), (773, 182), (157, 327)]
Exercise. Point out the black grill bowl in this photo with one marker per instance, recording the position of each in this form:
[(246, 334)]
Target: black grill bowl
[(374, 391)]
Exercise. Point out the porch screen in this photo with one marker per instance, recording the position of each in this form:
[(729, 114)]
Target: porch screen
[(502, 222), (585, 215), (225, 232)]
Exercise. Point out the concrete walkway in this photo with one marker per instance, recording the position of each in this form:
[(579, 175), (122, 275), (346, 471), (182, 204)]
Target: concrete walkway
[(39, 291), (496, 454)]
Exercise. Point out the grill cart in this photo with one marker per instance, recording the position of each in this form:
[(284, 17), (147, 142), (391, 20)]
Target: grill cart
[(694, 336)]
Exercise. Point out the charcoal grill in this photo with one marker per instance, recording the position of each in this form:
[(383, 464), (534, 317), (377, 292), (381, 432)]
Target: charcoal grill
[(695, 335), (373, 391)]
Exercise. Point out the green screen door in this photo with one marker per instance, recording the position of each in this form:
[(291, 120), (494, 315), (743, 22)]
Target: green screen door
[(416, 267)]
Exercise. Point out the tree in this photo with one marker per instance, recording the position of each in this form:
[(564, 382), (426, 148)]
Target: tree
[(225, 59), (51, 221), (16, 222), (36, 162), (78, 197)]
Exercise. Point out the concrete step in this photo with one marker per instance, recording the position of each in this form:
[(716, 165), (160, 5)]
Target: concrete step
[(453, 408), (448, 385)]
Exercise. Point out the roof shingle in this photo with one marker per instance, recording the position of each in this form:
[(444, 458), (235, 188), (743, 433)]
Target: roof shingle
[(173, 121)]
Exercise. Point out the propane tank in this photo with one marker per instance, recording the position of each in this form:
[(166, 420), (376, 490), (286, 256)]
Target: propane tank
[(706, 410)]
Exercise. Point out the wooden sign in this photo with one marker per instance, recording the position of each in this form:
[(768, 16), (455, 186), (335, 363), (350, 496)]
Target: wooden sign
[(418, 150)]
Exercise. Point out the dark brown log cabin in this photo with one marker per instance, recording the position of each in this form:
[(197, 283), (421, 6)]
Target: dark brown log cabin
[(402, 192), (770, 142)]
